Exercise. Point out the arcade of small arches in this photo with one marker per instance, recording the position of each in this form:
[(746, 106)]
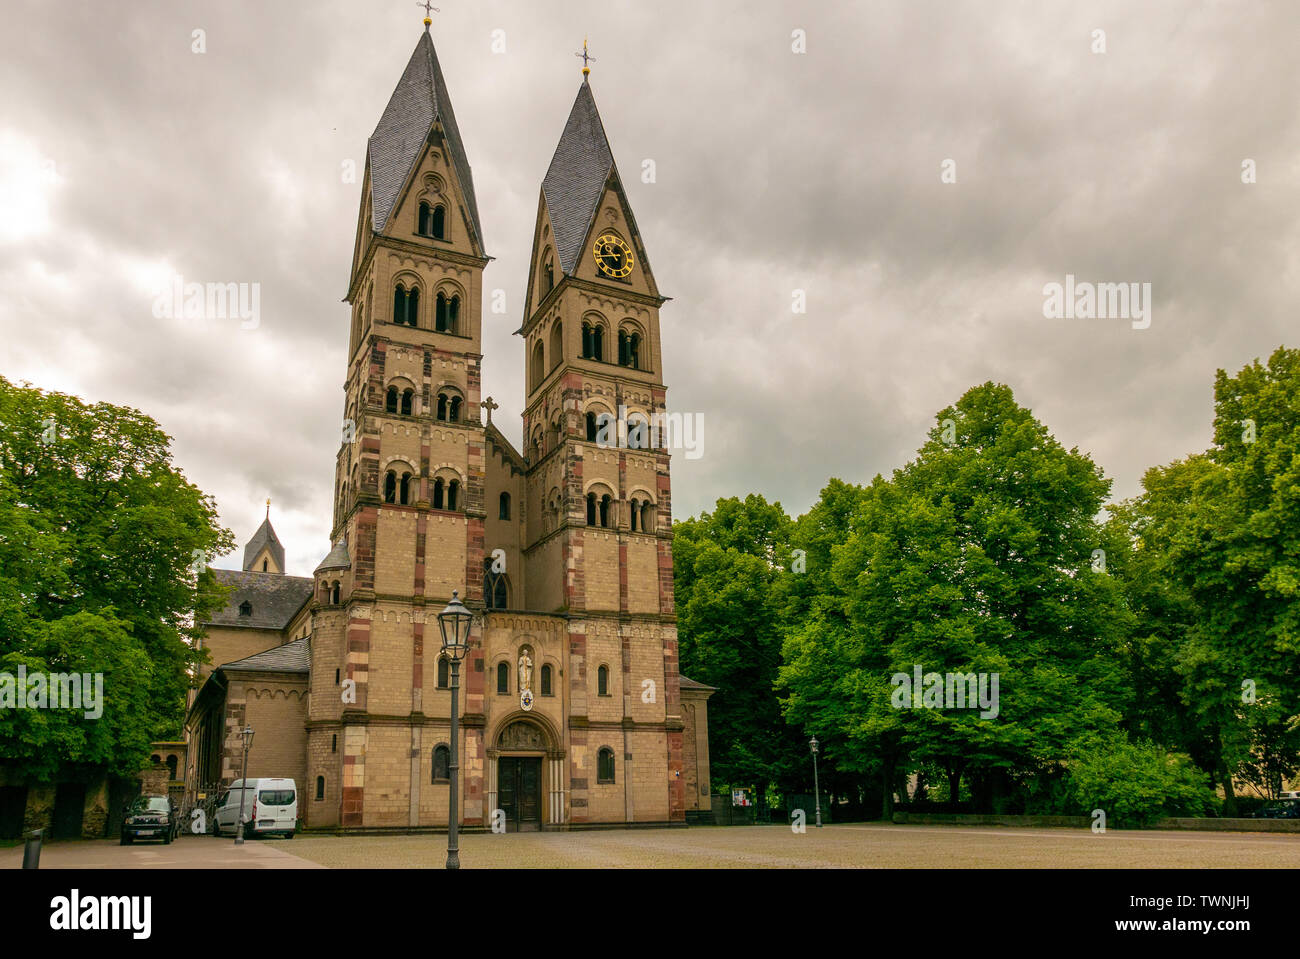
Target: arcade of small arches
[(639, 433), (431, 220), (631, 352), (600, 427), (601, 510), (399, 400), (449, 406), (595, 333), (445, 492), (172, 763), (446, 307)]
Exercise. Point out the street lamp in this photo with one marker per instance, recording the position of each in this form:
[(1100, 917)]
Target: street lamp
[(454, 621), (817, 789), (247, 734)]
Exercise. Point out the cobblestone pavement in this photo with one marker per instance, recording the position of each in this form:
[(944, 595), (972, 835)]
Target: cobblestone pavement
[(187, 852), (851, 846), (861, 845)]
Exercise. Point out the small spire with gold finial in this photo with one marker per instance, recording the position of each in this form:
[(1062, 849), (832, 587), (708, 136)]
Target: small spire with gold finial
[(268, 507), (586, 70), (427, 7)]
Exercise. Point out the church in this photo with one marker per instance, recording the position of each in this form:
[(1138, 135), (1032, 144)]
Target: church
[(574, 712)]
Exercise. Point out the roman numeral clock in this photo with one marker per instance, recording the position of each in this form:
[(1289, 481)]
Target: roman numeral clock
[(613, 256)]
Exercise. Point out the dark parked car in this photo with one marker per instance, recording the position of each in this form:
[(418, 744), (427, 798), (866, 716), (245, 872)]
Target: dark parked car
[(1286, 809), (150, 817)]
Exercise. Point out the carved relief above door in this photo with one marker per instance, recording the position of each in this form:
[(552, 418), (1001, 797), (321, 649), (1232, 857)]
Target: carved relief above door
[(521, 735)]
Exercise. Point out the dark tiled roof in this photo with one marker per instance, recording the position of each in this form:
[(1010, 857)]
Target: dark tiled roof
[(419, 99), (576, 177), (265, 536), (274, 598), (687, 683), (337, 557), (294, 657)]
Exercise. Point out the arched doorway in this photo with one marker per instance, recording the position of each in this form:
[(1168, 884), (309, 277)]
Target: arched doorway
[(526, 768)]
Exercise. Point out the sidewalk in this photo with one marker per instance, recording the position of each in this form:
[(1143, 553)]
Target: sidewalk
[(187, 852)]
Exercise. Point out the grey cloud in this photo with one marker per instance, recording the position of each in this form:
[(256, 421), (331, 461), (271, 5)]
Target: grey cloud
[(775, 171)]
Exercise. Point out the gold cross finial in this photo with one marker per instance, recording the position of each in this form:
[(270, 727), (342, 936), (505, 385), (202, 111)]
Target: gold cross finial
[(586, 70), (268, 507), (427, 7)]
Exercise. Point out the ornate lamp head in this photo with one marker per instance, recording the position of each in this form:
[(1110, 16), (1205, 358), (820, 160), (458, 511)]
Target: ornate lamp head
[(454, 621)]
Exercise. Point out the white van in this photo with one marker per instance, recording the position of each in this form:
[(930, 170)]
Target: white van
[(270, 808)]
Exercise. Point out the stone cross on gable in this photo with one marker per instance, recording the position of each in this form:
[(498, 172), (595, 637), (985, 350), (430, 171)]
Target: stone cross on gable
[(489, 405)]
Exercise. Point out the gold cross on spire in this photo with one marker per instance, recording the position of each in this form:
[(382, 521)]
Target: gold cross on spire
[(427, 7), (586, 70), (268, 507)]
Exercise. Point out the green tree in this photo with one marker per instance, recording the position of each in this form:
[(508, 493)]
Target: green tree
[(1215, 578), (815, 630), (103, 567), (835, 675), (977, 557), (1137, 783), (727, 565), (1184, 693)]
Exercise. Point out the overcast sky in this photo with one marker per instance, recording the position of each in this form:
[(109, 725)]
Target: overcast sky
[(124, 155)]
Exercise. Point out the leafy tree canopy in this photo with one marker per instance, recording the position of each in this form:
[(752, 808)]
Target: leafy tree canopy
[(103, 565)]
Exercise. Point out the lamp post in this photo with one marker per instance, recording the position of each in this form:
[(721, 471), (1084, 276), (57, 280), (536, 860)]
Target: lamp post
[(454, 621), (817, 789), (243, 785)]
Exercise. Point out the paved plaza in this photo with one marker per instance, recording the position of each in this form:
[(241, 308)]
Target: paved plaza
[(188, 852), (863, 845)]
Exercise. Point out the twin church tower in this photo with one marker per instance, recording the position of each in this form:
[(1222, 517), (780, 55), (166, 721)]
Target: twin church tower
[(574, 710)]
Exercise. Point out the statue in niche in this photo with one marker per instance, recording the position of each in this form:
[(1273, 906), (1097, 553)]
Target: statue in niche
[(525, 670)]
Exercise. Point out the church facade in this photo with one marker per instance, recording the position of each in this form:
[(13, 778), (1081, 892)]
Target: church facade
[(574, 711)]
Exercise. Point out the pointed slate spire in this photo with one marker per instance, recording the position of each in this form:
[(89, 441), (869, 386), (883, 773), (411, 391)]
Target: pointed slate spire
[(264, 538), (419, 100), (576, 177)]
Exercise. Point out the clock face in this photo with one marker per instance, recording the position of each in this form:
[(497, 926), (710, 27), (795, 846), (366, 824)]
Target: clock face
[(613, 256)]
